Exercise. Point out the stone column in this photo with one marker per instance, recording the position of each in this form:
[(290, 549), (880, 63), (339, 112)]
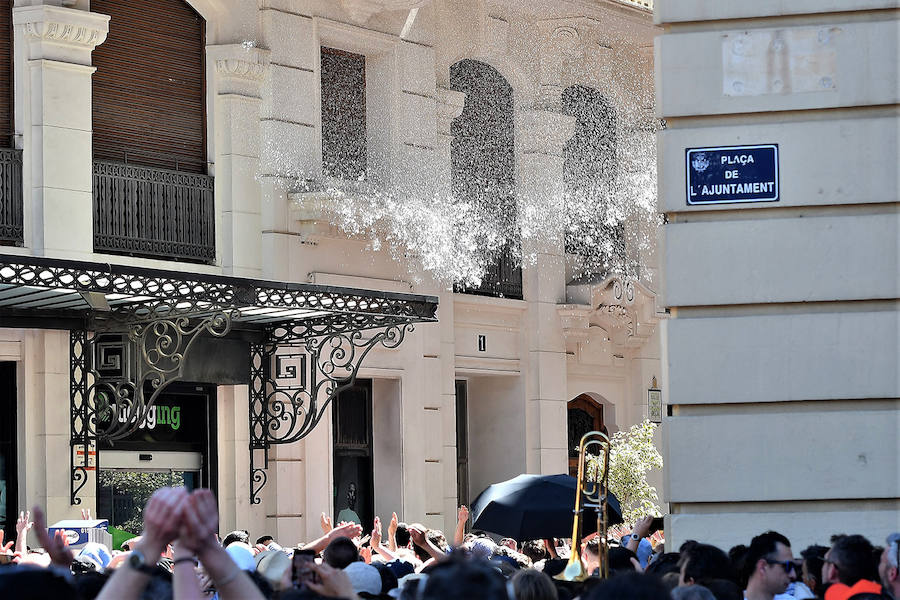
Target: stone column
[(57, 132), (239, 73), (540, 182)]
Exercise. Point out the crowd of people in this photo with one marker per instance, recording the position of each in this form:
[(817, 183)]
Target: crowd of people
[(179, 555)]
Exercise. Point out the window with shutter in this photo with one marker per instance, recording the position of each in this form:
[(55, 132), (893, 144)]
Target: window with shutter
[(11, 214), (149, 104), (7, 126), (343, 114)]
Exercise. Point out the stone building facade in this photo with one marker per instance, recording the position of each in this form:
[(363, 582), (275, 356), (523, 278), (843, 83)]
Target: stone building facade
[(783, 342), (487, 392)]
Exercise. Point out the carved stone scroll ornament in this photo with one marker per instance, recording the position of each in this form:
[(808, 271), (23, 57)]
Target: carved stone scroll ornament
[(296, 375)]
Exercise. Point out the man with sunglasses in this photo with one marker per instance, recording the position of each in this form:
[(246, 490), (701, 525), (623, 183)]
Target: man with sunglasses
[(769, 566)]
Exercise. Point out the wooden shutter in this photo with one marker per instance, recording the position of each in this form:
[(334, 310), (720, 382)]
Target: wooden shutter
[(7, 127), (344, 152), (149, 104)]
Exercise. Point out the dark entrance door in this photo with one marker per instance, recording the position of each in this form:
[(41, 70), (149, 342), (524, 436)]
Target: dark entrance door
[(173, 446), (8, 488), (354, 497)]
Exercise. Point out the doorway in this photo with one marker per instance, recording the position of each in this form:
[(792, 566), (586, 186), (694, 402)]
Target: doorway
[(8, 464), (354, 497)]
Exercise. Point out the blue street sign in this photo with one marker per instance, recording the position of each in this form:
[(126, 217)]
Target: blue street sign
[(728, 174)]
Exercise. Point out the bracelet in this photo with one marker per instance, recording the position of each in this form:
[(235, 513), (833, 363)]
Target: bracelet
[(231, 577), (190, 559)]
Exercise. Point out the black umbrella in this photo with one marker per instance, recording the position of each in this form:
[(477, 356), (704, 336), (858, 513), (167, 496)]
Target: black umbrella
[(532, 507)]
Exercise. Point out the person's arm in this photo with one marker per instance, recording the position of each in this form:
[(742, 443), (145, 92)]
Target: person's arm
[(392, 532), (185, 582), (417, 535), (162, 517), (198, 535), (57, 547), (462, 517), (375, 542), (325, 523), (348, 530), (333, 583), (23, 526), (640, 530), (551, 548)]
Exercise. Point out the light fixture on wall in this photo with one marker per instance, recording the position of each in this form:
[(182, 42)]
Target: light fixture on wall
[(654, 402)]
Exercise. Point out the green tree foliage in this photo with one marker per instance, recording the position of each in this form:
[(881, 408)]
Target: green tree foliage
[(130, 491), (632, 456)]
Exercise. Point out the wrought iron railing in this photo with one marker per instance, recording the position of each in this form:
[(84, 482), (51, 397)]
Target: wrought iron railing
[(157, 213), (11, 221), (503, 279)]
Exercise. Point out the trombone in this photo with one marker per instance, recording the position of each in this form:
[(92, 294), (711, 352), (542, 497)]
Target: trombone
[(591, 492)]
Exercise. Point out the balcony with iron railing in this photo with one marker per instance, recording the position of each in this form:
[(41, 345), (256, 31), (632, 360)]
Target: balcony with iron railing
[(11, 205), (153, 212)]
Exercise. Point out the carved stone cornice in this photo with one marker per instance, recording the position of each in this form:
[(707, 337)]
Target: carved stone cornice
[(546, 131), (623, 310), (62, 34)]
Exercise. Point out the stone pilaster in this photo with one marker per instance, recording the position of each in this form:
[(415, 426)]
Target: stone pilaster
[(450, 104), (239, 74), (543, 135), (57, 125)]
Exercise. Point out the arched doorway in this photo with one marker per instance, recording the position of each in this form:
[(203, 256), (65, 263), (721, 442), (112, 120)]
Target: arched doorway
[(584, 414)]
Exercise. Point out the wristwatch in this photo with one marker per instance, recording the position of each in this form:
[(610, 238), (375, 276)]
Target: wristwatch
[(635, 536), (138, 562)]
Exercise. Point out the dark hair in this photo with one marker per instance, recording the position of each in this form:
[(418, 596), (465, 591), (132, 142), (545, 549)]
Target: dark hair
[(630, 586), (89, 585), (703, 562), (402, 535), (459, 578), (265, 540), (762, 546), (814, 557), (692, 592), (340, 552), (737, 555), (529, 584), (664, 563), (620, 560), (724, 589), (534, 549), (236, 536), (32, 583), (388, 578), (853, 557)]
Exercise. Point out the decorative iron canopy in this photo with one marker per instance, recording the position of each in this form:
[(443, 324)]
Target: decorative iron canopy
[(114, 297), (131, 330)]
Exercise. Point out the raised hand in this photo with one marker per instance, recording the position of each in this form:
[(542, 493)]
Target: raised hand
[(7, 547), (325, 523), (348, 530), (376, 534), (366, 553), (462, 515), (199, 522), (24, 523), (86, 514), (417, 536), (57, 546), (162, 520), (333, 583), (642, 526)]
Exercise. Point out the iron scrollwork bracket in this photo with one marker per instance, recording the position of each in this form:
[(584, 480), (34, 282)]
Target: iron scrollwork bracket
[(296, 373), (108, 375)]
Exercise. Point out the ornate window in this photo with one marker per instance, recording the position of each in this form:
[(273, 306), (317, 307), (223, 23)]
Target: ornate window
[(343, 114), (588, 172), (482, 156)]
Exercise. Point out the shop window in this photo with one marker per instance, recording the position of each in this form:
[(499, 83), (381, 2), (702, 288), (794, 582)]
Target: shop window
[(482, 157), (589, 168), (344, 152), (354, 498)]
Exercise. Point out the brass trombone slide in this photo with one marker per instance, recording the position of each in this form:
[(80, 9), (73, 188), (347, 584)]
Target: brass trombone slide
[(591, 492)]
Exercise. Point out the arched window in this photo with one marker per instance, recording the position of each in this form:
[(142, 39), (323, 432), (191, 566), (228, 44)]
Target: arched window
[(589, 168), (149, 119), (482, 156)]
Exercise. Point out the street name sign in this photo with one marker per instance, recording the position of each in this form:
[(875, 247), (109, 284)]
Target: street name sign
[(729, 174)]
